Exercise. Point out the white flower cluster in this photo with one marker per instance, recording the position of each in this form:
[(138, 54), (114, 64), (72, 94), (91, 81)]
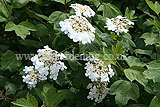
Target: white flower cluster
[(118, 24), (33, 76), (83, 10), (46, 62), (98, 91), (100, 75), (97, 71), (77, 27)]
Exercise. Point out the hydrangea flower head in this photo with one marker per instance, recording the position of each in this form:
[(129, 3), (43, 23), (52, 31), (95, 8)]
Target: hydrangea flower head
[(118, 24), (83, 10), (98, 91), (96, 70), (33, 76), (46, 62), (78, 29)]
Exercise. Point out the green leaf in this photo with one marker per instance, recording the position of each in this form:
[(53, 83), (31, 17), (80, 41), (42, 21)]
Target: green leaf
[(133, 61), (155, 102), (155, 22), (79, 78), (124, 91), (154, 6), (29, 102), (150, 38), (28, 25), (118, 49), (89, 47), (60, 96), (74, 64), (22, 29), (99, 39), (11, 88), (56, 17), (143, 52), (104, 37), (41, 31), (137, 105), (10, 26), (153, 74), (153, 71), (9, 61), (130, 14), (127, 41), (62, 1), (96, 2), (19, 3), (5, 12), (3, 81), (110, 11), (154, 65), (136, 73), (61, 42), (81, 99), (39, 2), (32, 43), (42, 16), (49, 95)]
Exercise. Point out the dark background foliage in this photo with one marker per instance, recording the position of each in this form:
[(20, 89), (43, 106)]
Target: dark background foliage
[(141, 46)]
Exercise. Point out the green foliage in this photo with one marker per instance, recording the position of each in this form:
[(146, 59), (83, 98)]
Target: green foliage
[(155, 102), (9, 62), (124, 91), (20, 4), (56, 17), (118, 49), (150, 38), (22, 29), (154, 6), (49, 95), (11, 88), (153, 71), (5, 12), (133, 61), (29, 102), (110, 11), (143, 52), (62, 1), (130, 14), (136, 82), (136, 73)]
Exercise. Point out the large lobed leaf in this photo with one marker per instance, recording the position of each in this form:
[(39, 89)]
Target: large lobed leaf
[(136, 73), (22, 3), (29, 102), (124, 90), (153, 71), (9, 61), (110, 11), (5, 12), (22, 29), (49, 95)]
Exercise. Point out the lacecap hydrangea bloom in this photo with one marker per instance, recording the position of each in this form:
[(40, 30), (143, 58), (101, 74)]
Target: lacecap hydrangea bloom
[(96, 70), (78, 28), (83, 10), (47, 62), (98, 91), (33, 76), (100, 75), (118, 24)]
